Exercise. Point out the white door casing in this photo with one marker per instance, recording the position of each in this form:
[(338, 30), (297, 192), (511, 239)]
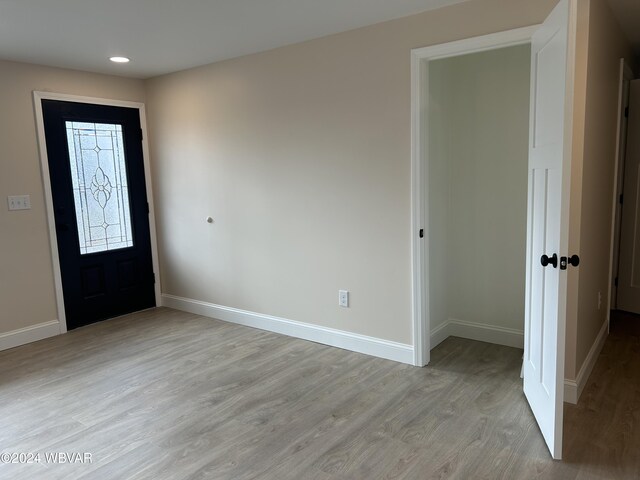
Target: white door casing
[(44, 165), (629, 266), (420, 58), (547, 218)]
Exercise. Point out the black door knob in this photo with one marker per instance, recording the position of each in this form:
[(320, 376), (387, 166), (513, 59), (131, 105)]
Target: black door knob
[(572, 260), (552, 260)]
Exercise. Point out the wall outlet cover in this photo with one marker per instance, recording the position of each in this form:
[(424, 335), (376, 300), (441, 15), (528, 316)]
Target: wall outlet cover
[(343, 298)]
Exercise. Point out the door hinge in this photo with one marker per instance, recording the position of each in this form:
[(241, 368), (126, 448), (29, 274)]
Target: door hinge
[(626, 112), (621, 198), (422, 233)]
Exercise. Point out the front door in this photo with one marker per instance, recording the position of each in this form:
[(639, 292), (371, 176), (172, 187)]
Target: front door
[(548, 220), (100, 206)]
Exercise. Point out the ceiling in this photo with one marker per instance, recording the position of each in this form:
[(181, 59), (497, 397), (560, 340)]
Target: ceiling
[(162, 36), (628, 14)]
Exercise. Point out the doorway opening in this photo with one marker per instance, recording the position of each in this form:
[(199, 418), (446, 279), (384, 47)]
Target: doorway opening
[(546, 259), (422, 59), (478, 130), (625, 248)]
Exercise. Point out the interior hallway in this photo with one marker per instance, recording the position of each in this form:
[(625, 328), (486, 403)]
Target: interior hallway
[(602, 432)]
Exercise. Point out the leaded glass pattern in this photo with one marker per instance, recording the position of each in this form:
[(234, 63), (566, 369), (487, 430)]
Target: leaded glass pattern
[(100, 186)]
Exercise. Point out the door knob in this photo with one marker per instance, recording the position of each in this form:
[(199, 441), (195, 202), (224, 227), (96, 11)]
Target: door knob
[(552, 260), (573, 260)]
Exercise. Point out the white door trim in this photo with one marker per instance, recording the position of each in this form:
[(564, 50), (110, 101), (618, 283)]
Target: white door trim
[(46, 180), (420, 58)]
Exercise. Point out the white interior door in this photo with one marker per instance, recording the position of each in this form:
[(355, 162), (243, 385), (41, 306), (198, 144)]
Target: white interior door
[(629, 266), (626, 75), (547, 222)]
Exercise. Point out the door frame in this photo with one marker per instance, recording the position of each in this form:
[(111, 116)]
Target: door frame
[(626, 75), (38, 96), (420, 58)]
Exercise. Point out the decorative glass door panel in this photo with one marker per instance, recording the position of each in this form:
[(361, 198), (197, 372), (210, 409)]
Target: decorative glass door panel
[(100, 186)]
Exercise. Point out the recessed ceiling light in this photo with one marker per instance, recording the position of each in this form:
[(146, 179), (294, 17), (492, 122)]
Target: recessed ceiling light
[(119, 59)]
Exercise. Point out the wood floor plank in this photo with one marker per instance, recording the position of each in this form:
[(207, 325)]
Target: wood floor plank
[(163, 394)]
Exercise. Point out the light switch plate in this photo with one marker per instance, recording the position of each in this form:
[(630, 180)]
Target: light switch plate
[(19, 202)]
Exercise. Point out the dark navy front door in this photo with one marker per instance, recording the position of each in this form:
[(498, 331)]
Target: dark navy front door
[(101, 211)]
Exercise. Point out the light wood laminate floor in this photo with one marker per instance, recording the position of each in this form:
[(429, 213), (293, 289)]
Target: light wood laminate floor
[(169, 395)]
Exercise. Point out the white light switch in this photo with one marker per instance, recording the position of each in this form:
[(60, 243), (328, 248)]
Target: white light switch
[(19, 202)]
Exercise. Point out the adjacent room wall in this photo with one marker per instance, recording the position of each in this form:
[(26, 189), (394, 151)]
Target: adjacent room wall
[(302, 157), (593, 181), (27, 295), (577, 146), (479, 148)]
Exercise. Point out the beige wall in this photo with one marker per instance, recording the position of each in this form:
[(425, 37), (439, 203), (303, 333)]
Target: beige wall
[(26, 277), (302, 157), (593, 177), (478, 155), (577, 145)]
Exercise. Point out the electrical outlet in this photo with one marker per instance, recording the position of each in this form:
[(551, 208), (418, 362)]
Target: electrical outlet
[(343, 298), (599, 300)]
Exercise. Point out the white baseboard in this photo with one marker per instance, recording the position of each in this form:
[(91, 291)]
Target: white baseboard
[(439, 334), (573, 388), (376, 347), (477, 331), (33, 333)]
